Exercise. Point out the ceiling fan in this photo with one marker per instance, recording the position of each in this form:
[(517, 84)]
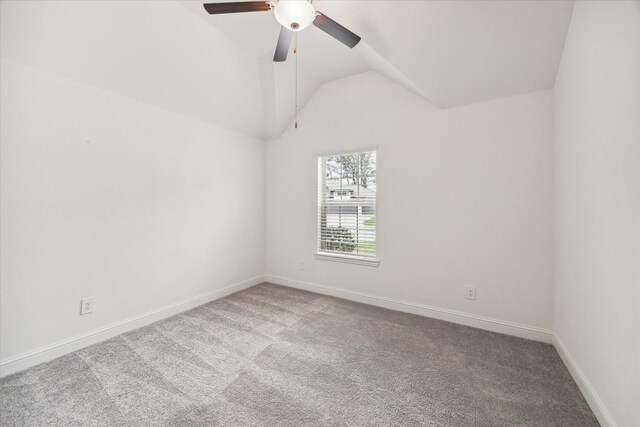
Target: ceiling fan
[(294, 16)]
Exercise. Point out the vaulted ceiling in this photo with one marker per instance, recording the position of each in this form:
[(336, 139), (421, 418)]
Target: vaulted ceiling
[(219, 68)]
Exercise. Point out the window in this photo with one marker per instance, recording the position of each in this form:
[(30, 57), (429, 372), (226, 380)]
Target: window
[(347, 207)]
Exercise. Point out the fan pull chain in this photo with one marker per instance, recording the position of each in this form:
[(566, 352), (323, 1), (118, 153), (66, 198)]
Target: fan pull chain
[(295, 52)]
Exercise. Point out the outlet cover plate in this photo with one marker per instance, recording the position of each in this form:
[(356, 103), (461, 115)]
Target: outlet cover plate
[(470, 292), (87, 305)]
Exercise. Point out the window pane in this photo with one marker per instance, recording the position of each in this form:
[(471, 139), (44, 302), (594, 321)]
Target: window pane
[(347, 204)]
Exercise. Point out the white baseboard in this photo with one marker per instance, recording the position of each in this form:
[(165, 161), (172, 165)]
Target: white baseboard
[(486, 323), (31, 358), (489, 324), (34, 357), (593, 399)]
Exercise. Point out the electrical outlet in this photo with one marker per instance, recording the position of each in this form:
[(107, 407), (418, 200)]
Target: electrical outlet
[(470, 292), (87, 305), (301, 264)]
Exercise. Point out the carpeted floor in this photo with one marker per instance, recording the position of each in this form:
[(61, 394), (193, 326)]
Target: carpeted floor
[(276, 356)]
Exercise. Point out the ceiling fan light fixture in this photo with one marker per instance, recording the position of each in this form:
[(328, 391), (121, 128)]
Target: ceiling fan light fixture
[(295, 15)]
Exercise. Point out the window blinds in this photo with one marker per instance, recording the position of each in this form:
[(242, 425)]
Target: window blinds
[(347, 204)]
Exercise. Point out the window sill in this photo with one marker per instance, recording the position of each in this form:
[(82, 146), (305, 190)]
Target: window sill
[(371, 262)]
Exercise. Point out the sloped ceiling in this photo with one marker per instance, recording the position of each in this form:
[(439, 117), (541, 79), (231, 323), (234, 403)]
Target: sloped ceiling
[(219, 68)]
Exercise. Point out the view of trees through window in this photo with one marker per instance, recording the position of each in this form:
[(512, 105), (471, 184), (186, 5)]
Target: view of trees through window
[(347, 203)]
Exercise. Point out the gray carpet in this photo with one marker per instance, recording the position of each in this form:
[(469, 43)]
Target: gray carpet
[(274, 356)]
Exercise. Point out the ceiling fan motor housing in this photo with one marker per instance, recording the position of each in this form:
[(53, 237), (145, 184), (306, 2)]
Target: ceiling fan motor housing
[(295, 15)]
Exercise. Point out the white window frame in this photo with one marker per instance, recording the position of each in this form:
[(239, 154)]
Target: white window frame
[(371, 261)]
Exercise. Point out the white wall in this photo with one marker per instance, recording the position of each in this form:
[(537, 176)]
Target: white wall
[(597, 131), (106, 196), (465, 196), (160, 53)]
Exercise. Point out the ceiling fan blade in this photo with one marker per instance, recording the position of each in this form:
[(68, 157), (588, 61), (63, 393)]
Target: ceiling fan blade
[(336, 30), (282, 48), (245, 6)]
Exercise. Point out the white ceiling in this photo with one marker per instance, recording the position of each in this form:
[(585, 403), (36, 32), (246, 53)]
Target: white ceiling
[(219, 68)]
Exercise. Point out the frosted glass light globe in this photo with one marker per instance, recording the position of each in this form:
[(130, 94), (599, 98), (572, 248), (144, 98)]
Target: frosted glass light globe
[(295, 15)]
